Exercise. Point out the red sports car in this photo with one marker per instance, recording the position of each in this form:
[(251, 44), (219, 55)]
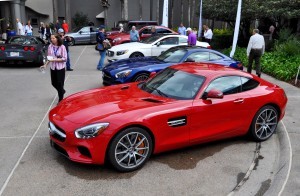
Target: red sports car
[(182, 105)]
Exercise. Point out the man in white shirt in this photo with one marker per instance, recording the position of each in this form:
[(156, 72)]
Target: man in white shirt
[(20, 27), (255, 49), (208, 34)]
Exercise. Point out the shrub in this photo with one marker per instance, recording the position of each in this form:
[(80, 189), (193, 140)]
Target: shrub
[(276, 63), (80, 19), (289, 48)]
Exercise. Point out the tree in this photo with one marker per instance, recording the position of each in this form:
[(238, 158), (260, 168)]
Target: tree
[(80, 19)]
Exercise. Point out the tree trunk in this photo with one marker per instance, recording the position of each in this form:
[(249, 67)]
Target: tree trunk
[(193, 13), (171, 18), (141, 9), (157, 11), (181, 4), (189, 13)]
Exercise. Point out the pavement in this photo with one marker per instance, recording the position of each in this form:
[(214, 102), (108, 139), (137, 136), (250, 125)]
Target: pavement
[(29, 166)]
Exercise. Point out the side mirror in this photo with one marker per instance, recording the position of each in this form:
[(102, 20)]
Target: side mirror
[(189, 60), (152, 74), (213, 94), (158, 44), (80, 32)]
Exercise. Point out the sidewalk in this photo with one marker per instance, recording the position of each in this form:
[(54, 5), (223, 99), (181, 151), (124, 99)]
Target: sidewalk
[(291, 123)]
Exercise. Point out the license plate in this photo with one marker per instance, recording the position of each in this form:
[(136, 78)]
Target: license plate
[(14, 53)]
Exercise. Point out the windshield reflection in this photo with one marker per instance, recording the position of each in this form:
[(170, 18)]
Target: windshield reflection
[(174, 84)]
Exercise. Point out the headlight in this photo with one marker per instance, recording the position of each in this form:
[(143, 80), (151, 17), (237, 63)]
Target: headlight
[(91, 131), (117, 39), (122, 52), (123, 74)]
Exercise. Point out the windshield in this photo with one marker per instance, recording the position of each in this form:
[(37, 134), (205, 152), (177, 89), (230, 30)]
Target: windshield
[(150, 40), (174, 84), (173, 55)]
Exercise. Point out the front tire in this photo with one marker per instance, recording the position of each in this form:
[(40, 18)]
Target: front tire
[(136, 55), (264, 123), (141, 77), (130, 149)]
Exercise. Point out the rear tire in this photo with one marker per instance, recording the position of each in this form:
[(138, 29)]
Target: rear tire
[(130, 149), (136, 55), (264, 123)]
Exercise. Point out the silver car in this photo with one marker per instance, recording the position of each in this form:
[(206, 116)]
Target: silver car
[(83, 35)]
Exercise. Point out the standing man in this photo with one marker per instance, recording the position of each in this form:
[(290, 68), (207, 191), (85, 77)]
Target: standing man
[(57, 25), (255, 49), (100, 39), (182, 29), (134, 35), (192, 38), (208, 34), (20, 27), (66, 41)]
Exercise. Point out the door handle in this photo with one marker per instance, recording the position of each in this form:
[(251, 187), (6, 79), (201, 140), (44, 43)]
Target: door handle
[(239, 101)]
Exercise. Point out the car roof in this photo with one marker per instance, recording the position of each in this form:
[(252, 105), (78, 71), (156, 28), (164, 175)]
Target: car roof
[(209, 70), (197, 48)]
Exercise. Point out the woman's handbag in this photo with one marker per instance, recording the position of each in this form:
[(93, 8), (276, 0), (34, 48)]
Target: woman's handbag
[(99, 47), (106, 45)]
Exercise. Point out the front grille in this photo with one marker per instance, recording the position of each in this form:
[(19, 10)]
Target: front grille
[(110, 53), (57, 132)]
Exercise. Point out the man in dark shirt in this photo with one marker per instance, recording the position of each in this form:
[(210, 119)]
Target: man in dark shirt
[(66, 40)]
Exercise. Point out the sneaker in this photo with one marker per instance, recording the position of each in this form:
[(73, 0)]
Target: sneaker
[(70, 69), (100, 69)]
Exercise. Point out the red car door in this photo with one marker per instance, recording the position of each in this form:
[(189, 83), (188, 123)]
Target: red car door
[(213, 119)]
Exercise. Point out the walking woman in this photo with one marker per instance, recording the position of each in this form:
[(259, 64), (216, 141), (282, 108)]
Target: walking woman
[(57, 57)]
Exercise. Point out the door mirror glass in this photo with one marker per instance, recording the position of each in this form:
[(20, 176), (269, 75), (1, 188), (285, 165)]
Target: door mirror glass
[(189, 60), (158, 44)]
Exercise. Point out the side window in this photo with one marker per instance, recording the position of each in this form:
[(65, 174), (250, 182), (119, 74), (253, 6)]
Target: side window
[(146, 31), (214, 57), (163, 31), (85, 30), (248, 84), (169, 41), (228, 85), (199, 56), (182, 40)]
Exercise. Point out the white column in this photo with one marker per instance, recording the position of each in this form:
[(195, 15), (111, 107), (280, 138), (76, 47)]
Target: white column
[(23, 15)]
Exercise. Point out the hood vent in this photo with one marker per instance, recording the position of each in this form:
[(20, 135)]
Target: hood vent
[(124, 87), (152, 100)]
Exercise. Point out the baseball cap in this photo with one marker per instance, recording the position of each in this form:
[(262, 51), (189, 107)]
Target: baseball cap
[(189, 29), (60, 31), (101, 27)]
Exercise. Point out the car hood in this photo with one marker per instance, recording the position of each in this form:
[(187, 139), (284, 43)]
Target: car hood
[(128, 46), (132, 63), (101, 104)]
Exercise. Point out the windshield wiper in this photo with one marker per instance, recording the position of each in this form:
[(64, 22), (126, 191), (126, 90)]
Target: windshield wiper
[(161, 93)]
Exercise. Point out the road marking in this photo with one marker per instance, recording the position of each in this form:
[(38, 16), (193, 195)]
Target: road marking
[(291, 157), (33, 136), (18, 137)]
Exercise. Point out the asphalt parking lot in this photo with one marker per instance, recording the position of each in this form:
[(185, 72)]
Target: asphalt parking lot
[(29, 166)]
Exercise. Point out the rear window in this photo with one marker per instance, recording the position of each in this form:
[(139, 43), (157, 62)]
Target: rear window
[(23, 40)]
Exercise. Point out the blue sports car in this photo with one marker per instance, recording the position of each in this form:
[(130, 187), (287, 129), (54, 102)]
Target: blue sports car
[(139, 69)]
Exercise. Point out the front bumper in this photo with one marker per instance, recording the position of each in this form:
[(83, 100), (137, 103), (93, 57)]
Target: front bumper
[(90, 151)]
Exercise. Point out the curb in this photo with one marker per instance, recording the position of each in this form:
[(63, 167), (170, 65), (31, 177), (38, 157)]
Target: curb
[(282, 173)]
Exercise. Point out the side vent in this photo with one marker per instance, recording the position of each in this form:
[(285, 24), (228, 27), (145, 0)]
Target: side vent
[(176, 122), (152, 100)]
